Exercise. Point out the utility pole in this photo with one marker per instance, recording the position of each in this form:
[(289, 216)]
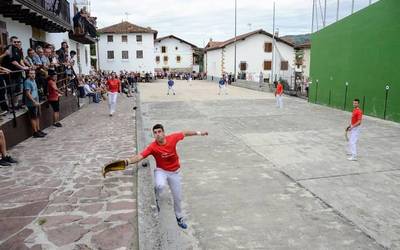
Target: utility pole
[(324, 13), (234, 66), (273, 45), (337, 10), (312, 20)]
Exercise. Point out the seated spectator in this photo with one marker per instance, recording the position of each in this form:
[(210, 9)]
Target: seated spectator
[(6, 159), (54, 97), (33, 104), (91, 93)]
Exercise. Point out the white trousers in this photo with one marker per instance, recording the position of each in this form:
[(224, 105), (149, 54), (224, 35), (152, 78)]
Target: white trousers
[(172, 89), (222, 89), (279, 101), (112, 101), (354, 135), (173, 179)]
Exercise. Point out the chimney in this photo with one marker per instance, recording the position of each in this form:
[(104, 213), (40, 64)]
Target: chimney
[(210, 39)]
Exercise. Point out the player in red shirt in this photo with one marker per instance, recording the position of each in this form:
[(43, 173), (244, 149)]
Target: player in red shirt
[(113, 87), (354, 129), (163, 149), (278, 95)]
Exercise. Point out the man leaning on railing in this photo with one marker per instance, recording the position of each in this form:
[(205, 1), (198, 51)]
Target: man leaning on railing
[(33, 104)]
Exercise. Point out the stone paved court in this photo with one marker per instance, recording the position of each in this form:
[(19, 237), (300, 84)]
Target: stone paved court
[(276, 179), (56, 198)]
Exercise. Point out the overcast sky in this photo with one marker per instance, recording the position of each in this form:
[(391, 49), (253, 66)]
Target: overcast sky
[(199, 20)]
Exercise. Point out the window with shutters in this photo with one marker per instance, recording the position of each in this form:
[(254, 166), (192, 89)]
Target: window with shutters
[(267, 65), (110, 54), (110, 38), (178, 59), (284, 65), (165, 59), (157, 59), (163, 49), (267, 47), (139, 54), (243, 66), (124, 38), (139, 38)]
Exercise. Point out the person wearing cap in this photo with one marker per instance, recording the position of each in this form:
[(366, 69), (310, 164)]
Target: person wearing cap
[(54, 97)]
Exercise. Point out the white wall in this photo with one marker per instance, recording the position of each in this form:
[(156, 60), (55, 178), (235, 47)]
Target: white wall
[(22, 31), (213, 59), (147, 63), (184, 50), (251, 51), (307, 62)]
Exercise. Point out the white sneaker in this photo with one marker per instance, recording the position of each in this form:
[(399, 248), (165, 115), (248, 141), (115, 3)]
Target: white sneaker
[(352, 158)]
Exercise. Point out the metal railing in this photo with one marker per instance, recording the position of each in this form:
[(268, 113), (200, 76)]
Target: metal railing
[(14, 80), (59, 8)]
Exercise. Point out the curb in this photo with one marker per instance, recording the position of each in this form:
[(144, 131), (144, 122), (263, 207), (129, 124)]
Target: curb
[(148, 222)]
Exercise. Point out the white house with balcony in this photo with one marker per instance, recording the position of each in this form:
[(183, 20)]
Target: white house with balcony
[(126, 46), (173, 54), (253, 56)]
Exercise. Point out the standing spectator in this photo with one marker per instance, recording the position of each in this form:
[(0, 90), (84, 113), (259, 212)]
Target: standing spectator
[(261, 79), (3, 102), (113, 87), (62, 52), (13, 60), (6, 159), (54, 97), (29, 59), (33, 104)]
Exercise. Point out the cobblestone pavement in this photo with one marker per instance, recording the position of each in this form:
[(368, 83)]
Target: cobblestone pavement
[(269, 178), (56, 198)]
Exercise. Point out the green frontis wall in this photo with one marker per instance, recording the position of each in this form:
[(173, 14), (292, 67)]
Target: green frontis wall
[(364, 51)]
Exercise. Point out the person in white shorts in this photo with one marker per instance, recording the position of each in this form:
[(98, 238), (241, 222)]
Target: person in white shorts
[(163, 149)]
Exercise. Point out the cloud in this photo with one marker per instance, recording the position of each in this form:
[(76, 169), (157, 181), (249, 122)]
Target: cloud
[(197, 21)]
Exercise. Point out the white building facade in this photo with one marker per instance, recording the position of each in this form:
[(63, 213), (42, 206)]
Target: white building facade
[(253, 56), (173, 54), (303, 63), (126, 46), (32, 35)]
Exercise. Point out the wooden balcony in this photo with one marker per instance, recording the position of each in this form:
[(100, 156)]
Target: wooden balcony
[(49, 15)]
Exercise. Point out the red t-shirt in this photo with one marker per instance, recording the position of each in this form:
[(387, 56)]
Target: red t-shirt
[(279, 89), (356, 116), (165, 155), (52, 91), (113, 85)]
